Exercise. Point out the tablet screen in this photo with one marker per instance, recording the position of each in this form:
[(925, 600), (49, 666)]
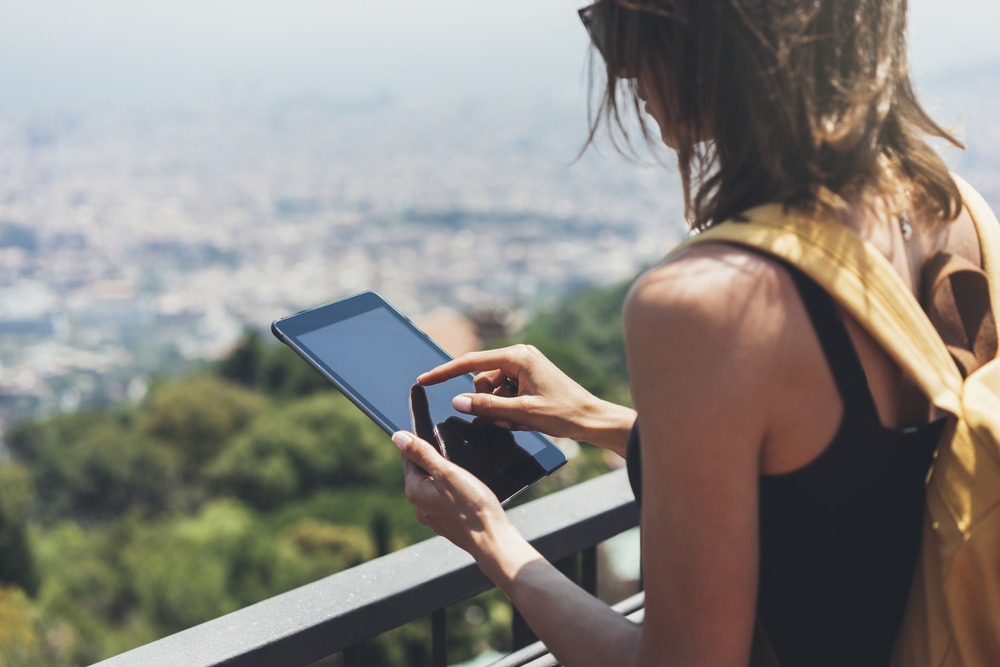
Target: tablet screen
[(380, 357), (374, 355)]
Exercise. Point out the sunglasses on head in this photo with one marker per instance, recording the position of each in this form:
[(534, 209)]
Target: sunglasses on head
[(596, 28)]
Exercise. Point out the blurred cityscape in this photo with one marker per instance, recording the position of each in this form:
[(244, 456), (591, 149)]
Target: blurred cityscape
[(138, 242)]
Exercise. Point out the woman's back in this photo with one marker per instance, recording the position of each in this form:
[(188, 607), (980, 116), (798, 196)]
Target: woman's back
[(840, 535), (777, 366)]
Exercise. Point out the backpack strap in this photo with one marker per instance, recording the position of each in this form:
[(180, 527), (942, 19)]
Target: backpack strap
[(988, 229), (865, 284)]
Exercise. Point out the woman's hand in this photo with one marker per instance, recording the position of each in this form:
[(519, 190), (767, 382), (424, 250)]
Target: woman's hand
[(450, 500), (546, 399), (459, 507)]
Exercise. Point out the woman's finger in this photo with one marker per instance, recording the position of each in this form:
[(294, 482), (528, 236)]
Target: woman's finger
[(508, 360), (496, 383), (488, 381), (420, 486), (411, 469), (420, 452), (493, 407)]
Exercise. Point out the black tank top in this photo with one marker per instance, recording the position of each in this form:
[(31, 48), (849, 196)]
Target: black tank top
[(839, 537)]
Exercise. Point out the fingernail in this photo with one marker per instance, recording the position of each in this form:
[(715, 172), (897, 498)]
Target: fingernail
[(462, 404), (401, 439), (502, 424), (525, 428)]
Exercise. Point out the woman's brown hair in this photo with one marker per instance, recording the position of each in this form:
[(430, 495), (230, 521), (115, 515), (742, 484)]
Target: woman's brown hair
[(805, 102)]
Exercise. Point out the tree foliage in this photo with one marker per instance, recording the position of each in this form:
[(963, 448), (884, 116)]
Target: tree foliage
[(273, 369), (16, 564), (290, 453), (197, 417), (95, 467)]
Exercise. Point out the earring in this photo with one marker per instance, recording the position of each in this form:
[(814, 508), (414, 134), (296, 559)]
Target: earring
[(905, 226)]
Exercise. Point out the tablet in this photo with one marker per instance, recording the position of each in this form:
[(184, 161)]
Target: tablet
[(373, 354)]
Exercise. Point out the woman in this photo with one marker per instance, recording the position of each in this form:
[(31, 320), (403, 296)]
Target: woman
[(782, 450)]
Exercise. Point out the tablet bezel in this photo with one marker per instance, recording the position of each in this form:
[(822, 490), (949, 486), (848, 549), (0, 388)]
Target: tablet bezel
[(289, 329)]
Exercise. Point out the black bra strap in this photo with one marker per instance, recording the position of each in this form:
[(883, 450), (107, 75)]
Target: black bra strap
[(841, 357)]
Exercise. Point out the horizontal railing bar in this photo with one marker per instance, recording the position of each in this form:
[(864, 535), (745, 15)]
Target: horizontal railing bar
[(631, 604), (339, 611), (627, 607), (547, 660)]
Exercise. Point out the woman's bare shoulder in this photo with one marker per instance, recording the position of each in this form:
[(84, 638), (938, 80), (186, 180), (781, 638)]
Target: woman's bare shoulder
[(718, 321), (716, 285)]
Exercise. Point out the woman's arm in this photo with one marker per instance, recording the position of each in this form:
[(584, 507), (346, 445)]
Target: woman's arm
[(456, 505), (700, 338), (547, 399)]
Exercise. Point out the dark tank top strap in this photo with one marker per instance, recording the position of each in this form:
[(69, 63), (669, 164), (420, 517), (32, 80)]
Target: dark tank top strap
[(838, 348)]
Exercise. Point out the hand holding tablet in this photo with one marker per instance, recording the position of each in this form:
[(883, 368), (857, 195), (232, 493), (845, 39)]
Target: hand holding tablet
[(373, 355)]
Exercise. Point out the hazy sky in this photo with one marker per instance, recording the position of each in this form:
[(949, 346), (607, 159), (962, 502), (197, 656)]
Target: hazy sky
[(69, 51)]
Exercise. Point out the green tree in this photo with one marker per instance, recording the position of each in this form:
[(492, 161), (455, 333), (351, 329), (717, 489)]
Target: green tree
[(19, 641), (244, 362), (108, 471), (271, 368), (321, 441), (96, 466), (381, 510), (193, 569), (326, 548), (17, 564), (86, 602), (180, 571), (32, 442), (259, 466), (197, 416)]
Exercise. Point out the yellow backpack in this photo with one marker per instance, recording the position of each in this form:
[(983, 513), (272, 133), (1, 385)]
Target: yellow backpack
[(953, 615)]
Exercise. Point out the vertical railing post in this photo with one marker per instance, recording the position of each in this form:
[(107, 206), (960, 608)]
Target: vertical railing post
[(588, 569), (522, 634), (352, 656), (439, 639)]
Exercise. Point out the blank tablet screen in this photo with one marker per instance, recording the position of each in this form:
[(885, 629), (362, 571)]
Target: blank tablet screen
[(379, 357)]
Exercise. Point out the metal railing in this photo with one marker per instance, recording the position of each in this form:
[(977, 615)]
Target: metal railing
[(339, 612), (537, 655)]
